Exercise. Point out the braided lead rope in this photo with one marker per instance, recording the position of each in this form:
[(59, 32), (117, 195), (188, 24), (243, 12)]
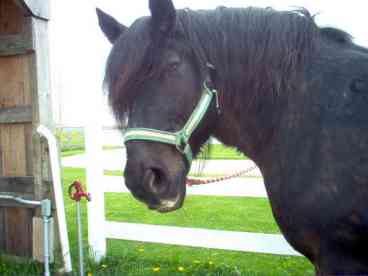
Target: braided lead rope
[(193, 181)]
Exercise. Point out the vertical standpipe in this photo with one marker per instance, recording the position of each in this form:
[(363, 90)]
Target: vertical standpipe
[(58, 194), (46, 214)]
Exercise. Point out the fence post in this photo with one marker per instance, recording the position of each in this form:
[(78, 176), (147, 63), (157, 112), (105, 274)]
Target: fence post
[(94, 174)]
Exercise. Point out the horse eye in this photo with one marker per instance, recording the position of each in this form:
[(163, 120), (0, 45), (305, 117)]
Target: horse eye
[(173, 66)]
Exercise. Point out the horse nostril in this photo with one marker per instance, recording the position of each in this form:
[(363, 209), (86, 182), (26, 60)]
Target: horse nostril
[(153, 181), (149, 179)]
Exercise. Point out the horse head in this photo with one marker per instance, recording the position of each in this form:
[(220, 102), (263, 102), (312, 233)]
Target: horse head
[(158, 86)]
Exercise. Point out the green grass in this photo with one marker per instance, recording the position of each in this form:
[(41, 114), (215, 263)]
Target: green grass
[(221, 152), (248, 214), (70, 140), (9, 267), (130, 258), (67, 153)]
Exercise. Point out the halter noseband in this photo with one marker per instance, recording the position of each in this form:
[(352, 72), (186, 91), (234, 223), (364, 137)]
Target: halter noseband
[(180, 139)]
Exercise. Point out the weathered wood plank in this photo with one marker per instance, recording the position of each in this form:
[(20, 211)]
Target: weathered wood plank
[(15, 33), (14, 151), (20, 114), (37, 239), (11, 45), (17, 185), (1, 156), (28, 132), (2, 230), (38, 252), (11, 90), (11, 18), (18, 231), (15, 81)]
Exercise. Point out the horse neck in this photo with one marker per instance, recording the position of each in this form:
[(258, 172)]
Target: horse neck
[(249, 130), (248, 116), (250, 108)]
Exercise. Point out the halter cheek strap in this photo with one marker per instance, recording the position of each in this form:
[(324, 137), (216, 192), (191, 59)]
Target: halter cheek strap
[(179, 139)]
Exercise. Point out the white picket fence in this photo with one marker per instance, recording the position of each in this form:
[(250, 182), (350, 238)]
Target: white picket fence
[(99, 229)]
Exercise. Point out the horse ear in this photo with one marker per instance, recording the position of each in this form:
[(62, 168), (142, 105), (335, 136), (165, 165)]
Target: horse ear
[(110, 26), (163, 15)]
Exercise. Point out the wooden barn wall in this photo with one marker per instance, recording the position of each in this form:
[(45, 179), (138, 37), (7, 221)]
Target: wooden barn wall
[(16, 96)]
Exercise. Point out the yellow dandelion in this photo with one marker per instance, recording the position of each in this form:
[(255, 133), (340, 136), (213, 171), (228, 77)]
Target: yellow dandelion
[(156, 269), (89, 274), (181, 269)]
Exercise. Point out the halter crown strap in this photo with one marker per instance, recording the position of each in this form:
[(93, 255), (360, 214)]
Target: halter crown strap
[(179, 139)]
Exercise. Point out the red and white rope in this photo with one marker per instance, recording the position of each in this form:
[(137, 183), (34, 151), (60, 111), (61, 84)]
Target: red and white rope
[(195, 181)]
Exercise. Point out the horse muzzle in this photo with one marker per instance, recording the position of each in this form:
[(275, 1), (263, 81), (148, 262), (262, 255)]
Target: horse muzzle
[(155, 187), (166, 206)]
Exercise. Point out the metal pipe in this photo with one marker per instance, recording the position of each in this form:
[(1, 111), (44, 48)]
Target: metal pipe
[(80, 240), (58, 193), (46, 256), (20, 200), (46, 214)]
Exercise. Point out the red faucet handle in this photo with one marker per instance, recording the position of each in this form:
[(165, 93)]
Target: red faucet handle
[(76, 192)]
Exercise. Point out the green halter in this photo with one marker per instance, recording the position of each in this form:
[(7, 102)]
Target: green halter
[(179, 139)]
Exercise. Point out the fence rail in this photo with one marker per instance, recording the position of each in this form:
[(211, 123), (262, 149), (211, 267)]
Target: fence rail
[(215, 239)]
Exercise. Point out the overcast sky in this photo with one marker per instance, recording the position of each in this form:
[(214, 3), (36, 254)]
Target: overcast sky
[(79, 49)]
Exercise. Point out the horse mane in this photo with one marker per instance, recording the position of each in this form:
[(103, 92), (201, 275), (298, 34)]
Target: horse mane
[(255, 51), (337, 35)]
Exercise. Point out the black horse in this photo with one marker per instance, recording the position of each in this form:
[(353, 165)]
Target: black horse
[(292, 96)]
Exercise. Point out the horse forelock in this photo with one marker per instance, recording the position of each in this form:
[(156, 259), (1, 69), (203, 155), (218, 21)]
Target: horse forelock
[(125, 63), (134, 59)]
